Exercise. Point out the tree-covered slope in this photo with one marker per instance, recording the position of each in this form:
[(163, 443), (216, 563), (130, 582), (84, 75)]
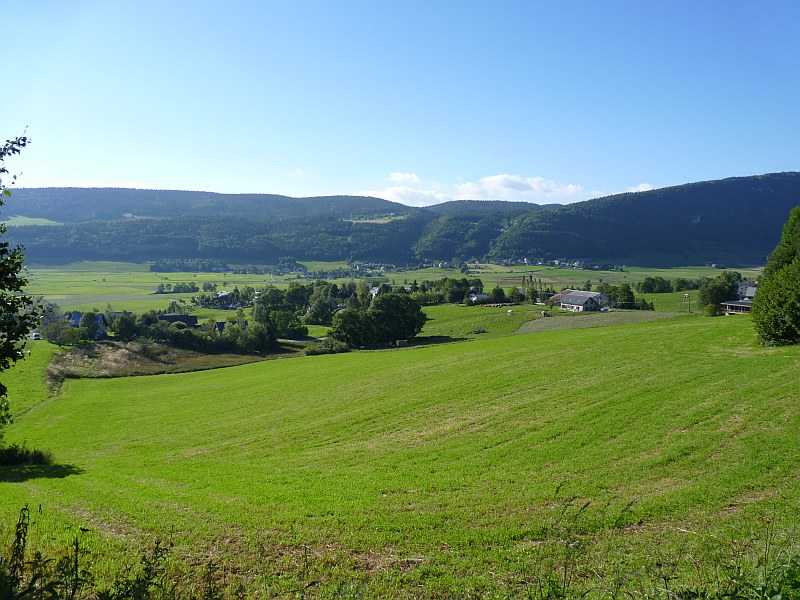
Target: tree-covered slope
[(731, 220), (77, 205), (735, 221)]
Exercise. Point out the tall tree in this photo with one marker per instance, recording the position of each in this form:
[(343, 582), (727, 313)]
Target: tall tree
[(396, 317), (715, 291), (776, 307), (18, 314), (354, 327)]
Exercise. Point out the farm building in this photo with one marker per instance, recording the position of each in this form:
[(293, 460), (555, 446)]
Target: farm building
[(737, 307), (579, 301), (744, 302)]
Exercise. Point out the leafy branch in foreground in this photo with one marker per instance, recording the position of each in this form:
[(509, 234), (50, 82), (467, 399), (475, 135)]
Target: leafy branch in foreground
[(18, 312)]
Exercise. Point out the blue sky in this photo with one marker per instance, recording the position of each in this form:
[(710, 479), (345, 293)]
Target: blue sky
[(417, 102)]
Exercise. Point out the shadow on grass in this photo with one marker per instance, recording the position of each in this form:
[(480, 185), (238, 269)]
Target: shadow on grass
[(427, 340), (20, 473)]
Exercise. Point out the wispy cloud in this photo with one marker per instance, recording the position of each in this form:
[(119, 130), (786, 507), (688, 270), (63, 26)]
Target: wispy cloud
[(516, 187), (403, 177), (642, 187), (298, 172), (410, 196), (409, 189)]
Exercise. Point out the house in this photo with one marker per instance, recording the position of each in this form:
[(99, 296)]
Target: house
[(478, 297), (579, 301), (74, 320), (743, 304), (746, 290), (188, 320), (219, 327)]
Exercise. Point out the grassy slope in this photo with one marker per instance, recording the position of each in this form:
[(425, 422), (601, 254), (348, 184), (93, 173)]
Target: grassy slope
[(26, 382), (20, 221), (428, 470)]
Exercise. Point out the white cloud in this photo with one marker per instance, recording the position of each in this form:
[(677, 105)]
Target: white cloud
[(403, 177), (298, 172), (642, 187), (410, 196), (516, 187), (492, 187)]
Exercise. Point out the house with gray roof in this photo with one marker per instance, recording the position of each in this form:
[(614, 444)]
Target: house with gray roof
[(580, 301)]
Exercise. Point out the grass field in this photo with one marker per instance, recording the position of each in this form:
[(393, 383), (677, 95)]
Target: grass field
[(559, 278), (130, 286), (123, 286), (20, 221), (442, 471)]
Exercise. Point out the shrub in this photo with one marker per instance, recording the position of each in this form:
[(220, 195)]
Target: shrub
[(20, 454), (327, 346)]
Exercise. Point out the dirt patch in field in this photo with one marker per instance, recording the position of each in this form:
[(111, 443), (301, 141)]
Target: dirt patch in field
[(119, 359), (619, 317)]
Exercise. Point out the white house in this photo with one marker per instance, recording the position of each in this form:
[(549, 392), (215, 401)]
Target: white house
[(579, 301)]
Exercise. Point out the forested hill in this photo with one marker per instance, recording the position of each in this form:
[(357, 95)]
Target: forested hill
[(77, 205), (735, 221)]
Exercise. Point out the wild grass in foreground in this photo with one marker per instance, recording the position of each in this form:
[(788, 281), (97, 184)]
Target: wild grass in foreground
[(765, 565), (432, 472)]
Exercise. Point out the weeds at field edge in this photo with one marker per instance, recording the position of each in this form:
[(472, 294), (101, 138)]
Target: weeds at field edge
[(766, 567)]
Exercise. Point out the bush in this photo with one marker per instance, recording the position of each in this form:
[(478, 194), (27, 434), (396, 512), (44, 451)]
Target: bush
[(327, 346), (20, 454)]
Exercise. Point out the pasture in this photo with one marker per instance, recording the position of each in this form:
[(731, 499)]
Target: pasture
[(131, 286), (123, 286), (625, 458), (20, 221), (575, 278)]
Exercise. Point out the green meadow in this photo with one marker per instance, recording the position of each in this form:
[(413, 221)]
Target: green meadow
[(568, 277), (20, 221), (123, 286), (629, 459), (131, 286)]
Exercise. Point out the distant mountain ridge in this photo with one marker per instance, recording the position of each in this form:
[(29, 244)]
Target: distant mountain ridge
[(76, 205), (736, 221)]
